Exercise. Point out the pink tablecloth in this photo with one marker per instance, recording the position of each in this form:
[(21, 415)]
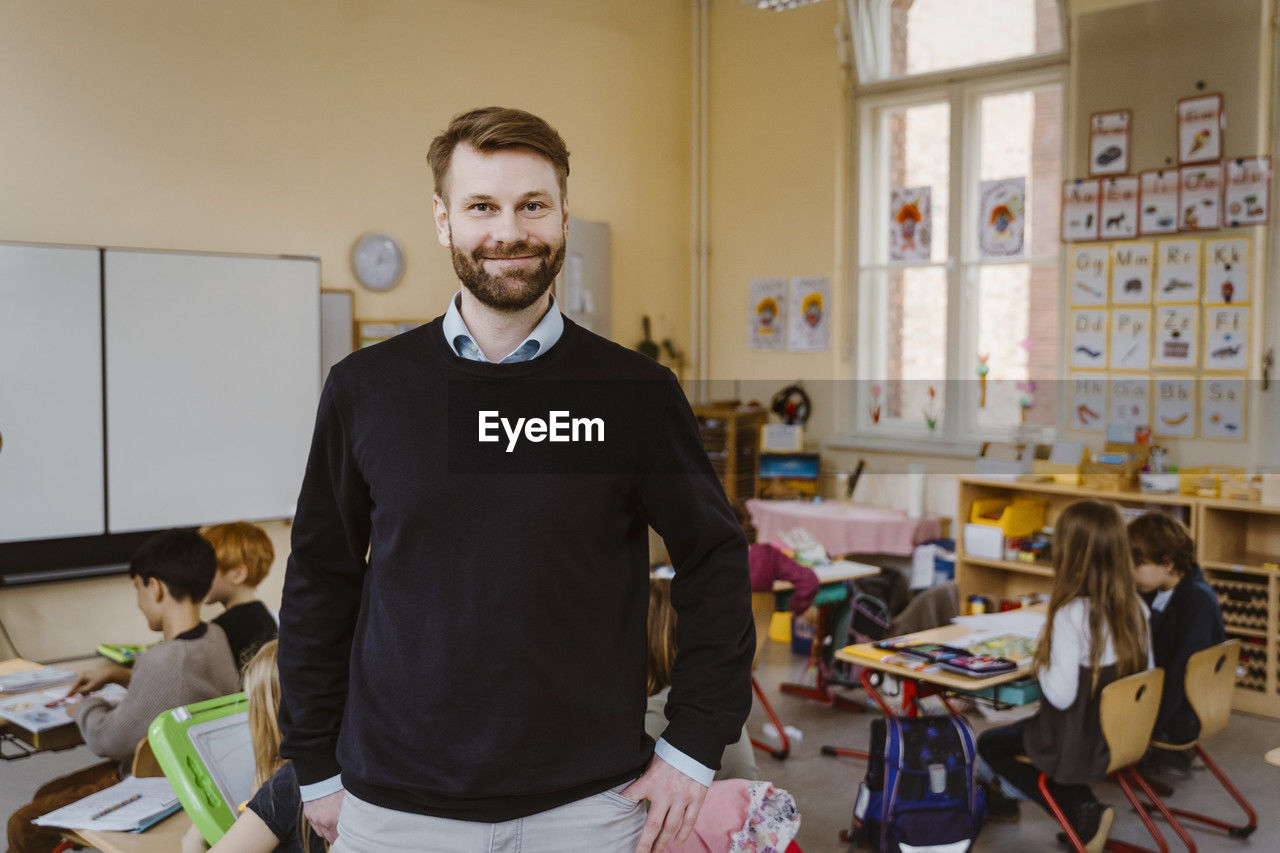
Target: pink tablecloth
[(844, 528)]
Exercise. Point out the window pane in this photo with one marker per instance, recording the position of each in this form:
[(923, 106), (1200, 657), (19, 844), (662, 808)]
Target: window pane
[(1015, 316), (905, 331), (918, 154), (934, 35), (1021, 137)]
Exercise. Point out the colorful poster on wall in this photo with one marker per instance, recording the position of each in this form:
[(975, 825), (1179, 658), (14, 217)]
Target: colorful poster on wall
[(1200, 197), (1002, 219), (1089, 265), (1080, 209), (1158, 201), (1131, 273), (1130, 339), (1226, 271), (1109, 143), (1176, 336), (1222, 409), (1200, 129), (1226, 338), (767, 314), (1130, 403), (1089, 339), (1177, 271), (910, 224), (1175, 398), (1119, 212), (1089, 402), (1246, 198), (809, 315)]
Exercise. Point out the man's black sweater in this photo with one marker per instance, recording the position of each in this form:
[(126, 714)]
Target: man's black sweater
[(487, 661)]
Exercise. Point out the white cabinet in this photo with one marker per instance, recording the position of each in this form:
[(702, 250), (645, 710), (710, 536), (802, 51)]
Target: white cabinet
[(51, 462)]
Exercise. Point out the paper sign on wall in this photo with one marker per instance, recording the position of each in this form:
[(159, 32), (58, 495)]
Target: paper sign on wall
[(809, 316), (1226, 338), (1200, 197), (1080, 209), (1089, 402), (910, 223), (1158, 200), (1246, 198), (1222, 410), (1109, 143), (1177, 271), (1175, 398), (1130, 338), (1089, 339), (1226, 271), (1089, 267), (1176, 336), (1003, 217), (767, 313), (1119, 212), (1200, 129), (1130, 401), (1131, 273)]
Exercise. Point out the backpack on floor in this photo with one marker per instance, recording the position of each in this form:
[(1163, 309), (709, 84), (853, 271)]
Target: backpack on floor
[(921, 794)]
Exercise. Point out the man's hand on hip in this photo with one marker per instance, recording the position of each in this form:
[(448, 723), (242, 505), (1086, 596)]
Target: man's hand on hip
[(674, 803), (323, 814)]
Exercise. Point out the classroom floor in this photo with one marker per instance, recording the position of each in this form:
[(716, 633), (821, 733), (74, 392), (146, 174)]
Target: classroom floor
[(824, 788)]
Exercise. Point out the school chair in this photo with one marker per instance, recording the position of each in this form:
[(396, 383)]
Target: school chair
[(144, 761), (1210, 681), (762, 604), (1128, 715)]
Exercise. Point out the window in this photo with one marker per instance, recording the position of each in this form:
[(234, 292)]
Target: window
[(935, 161)]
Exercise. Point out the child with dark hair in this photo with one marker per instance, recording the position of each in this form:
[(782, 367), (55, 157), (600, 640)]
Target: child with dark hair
[(171, 575), (1185, 618)]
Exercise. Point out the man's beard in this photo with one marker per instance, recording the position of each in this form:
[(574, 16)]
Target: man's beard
[(514, 290)]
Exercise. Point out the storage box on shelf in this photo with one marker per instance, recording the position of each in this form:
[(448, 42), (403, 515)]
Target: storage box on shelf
[(1237, 545), (731, 437)]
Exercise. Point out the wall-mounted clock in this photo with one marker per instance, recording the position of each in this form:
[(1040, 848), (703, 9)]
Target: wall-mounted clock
[(378, 261)]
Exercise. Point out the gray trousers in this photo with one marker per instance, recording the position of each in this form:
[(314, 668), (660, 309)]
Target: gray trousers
[(605, 823)]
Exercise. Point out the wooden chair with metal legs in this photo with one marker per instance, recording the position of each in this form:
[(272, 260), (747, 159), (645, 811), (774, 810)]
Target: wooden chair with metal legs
[(1128, 715), (1210, 681), (762, 605)]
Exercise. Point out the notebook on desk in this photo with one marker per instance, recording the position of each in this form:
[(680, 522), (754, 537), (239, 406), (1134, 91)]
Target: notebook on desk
[(130, 806)]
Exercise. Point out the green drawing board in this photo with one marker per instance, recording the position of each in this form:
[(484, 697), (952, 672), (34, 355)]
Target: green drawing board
[(206, 753)]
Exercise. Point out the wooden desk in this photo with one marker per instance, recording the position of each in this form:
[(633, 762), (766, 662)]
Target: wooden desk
[(164, 837), (938, 679)]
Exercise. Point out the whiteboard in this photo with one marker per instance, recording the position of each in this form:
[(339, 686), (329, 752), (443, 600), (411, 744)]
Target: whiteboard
[(51, 475), (212, 379)]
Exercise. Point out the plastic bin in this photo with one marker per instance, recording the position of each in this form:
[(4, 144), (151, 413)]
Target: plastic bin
[(1017, 517)]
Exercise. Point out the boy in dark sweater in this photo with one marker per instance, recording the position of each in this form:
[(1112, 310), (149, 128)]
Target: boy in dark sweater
[(245, 555), (1185, 618), (171, 574)]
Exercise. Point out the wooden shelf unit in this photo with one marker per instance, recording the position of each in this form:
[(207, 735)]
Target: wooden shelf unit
[(731, 437), (1233, 541)]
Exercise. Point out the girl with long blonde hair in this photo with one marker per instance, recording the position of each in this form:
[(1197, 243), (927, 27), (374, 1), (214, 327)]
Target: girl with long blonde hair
[(272, 820), (1095, 631)]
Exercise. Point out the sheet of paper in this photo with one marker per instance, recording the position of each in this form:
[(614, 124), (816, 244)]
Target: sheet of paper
[(1021, 622), (125, 806), (31, 679), (32, 711)]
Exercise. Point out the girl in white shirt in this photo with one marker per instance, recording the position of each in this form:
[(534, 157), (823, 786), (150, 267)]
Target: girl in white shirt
[(1095, 632)]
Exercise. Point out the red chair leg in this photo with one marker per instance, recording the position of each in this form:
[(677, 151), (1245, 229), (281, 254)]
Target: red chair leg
[(1234, 830), (1153, 795), (1072, 839), (1125, 847), (784, 748), (837, 751)]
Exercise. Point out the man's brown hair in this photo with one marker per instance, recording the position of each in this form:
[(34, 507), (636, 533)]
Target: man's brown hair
[(1156, 538), (239, 543), (492, 129)]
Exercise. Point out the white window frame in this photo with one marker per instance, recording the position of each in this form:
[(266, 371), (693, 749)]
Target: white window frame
[(961, 90)]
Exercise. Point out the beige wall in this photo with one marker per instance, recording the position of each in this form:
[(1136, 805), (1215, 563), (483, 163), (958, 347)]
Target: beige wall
[(293, 126)]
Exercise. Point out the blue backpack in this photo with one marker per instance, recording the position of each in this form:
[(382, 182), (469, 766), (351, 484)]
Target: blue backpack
[(921, 792)]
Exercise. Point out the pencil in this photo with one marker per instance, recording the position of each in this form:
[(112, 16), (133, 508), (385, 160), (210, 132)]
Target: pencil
[(119, 805)]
